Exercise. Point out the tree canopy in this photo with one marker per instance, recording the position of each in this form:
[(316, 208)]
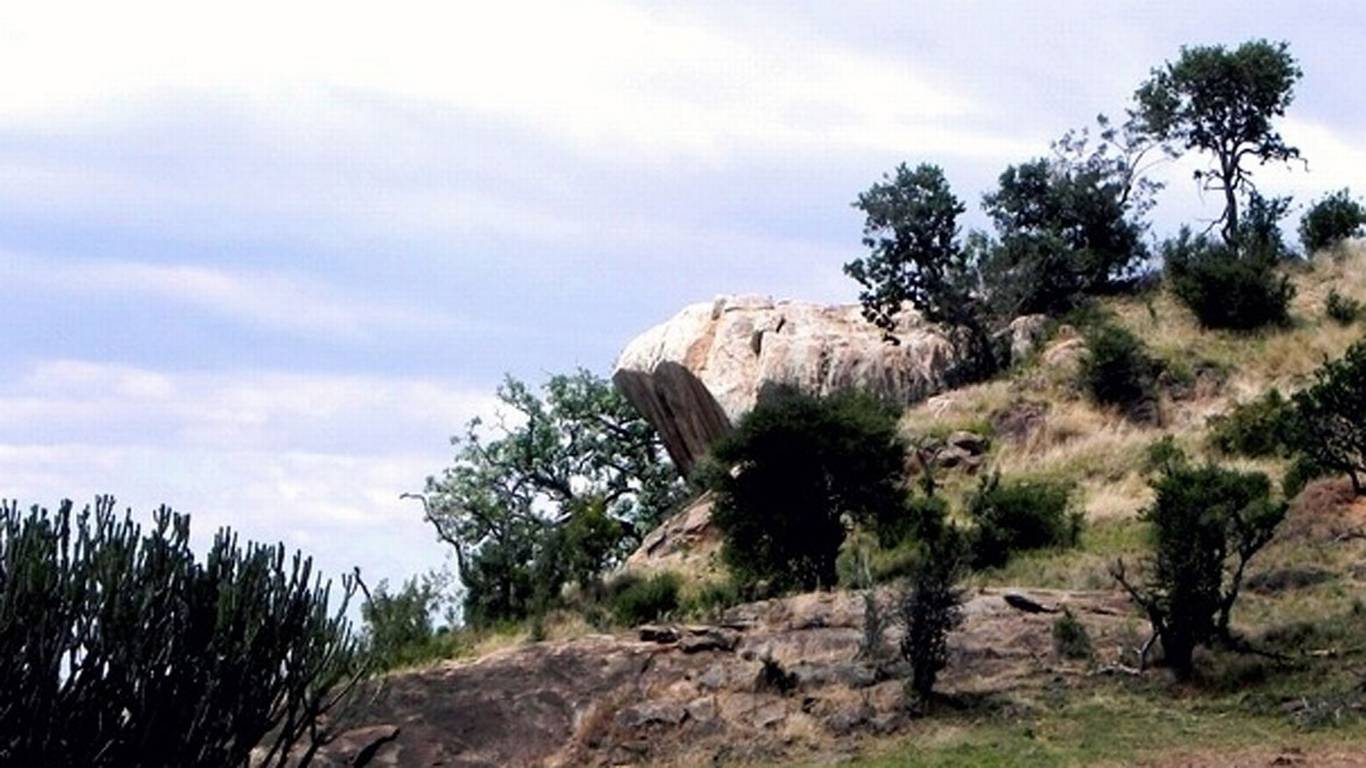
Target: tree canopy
[(560, 487), (1224, 102)]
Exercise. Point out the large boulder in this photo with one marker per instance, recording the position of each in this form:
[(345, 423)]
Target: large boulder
[(695, 375)]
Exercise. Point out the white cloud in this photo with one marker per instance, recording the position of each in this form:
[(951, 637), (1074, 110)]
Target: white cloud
[(272, 300), (317, 461), (234, 411), (604, 75)]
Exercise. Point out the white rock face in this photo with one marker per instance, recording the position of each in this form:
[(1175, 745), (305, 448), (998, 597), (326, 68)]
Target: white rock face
[(696, 374)]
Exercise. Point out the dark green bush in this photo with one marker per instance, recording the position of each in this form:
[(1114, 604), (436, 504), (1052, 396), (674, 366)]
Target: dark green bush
[(1018, 515), (1207, 523), (1341, 309), (119, 648), (793, 473), (1070, 638), (1330, 220), (1256, 429), (1226, 289), (1117, 369), (636, 600)]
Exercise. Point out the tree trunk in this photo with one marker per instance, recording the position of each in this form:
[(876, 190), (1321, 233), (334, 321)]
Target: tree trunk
[(1230, 175)]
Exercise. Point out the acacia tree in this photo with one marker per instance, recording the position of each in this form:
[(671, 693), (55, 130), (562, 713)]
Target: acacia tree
[(1223, 102), (118, 647), (560, 487), (911, 227)]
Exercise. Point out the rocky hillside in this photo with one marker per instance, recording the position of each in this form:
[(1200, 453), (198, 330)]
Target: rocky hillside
[(789, 679)]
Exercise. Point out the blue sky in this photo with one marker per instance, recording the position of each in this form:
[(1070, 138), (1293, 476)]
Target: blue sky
[(261, 261)]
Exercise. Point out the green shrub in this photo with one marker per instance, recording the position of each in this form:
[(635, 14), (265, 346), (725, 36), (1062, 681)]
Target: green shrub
[(1256, 429), (1019, 515), (1070, 638), (1117, 369), (398, 626), (1330, 220), (714, 597), (636, 600), (1341, 309), (1207, 523), (1223, 288), (119, 648), (790, 476), (1328, 415)]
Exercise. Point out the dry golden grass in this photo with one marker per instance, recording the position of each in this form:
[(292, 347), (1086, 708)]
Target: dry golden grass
[(1099, 449)]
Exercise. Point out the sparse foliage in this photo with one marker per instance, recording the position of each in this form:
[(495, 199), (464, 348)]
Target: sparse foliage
[(1330, 220), (119, 648), (1207, 523), (790, 476), (1223, 102)]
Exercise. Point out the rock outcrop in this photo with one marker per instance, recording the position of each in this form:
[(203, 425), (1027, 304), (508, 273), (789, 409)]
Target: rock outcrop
[(693, 376), (696, 695)]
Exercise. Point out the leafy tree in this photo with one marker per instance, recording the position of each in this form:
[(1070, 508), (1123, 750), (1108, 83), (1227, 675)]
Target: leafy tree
[(1207, 523), (561, 488), (1069, 225), (118, 647), (911, 227), (1223, 288), (1221, 101), (1331, 431), (1330, 220), (793, 472)]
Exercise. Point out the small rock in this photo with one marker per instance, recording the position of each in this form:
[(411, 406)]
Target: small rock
[(845, 721), (702, 709), (711, 639), (768, 715), (651, 713)]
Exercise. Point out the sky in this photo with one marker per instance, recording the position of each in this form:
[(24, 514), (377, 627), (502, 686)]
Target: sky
[(261, 260)]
